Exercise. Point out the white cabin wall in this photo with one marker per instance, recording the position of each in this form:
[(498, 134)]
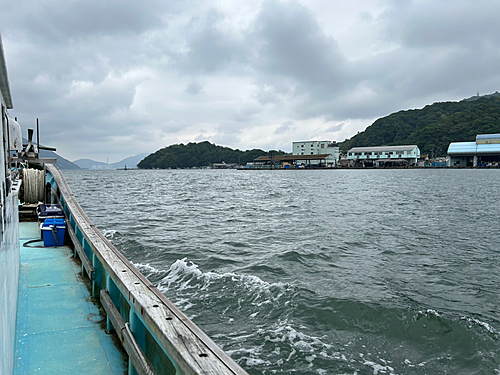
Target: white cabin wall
[(9, 264)]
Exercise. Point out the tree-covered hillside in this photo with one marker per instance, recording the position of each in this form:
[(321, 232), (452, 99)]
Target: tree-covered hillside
[(433, 127), (199, 155)]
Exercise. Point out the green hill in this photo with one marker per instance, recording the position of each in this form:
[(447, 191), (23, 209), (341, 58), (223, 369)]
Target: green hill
[(433, 127), (199, 155)]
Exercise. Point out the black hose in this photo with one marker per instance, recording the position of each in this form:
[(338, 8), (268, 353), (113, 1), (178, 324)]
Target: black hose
[(34, 247)]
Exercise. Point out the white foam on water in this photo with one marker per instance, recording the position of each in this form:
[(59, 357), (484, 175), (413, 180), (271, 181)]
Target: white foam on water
[(182, 272), (284, 332), (256, 361), (488, 327), (248, 351), (109, 233), (408, 363), (184, 304), (298, 343), (177, 273), (147, 269), (430, 312), (377, 368), (250, 356), (310, 358), (290, 342)]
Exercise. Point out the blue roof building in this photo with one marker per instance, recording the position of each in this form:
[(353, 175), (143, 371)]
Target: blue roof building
[(484, 152)]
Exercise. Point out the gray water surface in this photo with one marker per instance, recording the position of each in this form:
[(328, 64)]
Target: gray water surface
[(318, 272)]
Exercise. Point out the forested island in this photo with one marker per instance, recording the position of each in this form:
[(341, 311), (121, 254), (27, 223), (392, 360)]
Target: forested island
[(200, 154), (433, 127)]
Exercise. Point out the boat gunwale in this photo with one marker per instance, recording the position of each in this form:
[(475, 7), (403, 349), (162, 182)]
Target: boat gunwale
[(158, 313)]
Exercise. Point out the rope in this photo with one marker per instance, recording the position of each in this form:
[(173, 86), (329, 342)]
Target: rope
[(34, 185)]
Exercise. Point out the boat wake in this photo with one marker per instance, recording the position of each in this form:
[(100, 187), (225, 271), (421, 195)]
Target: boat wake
[(262, 326)]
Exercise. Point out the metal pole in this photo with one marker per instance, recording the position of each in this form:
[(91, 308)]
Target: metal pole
[(37, 137)]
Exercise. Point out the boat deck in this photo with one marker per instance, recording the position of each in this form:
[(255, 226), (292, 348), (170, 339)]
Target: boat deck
[(59, 329)]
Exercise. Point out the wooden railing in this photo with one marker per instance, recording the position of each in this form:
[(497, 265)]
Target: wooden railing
[(157, 336)]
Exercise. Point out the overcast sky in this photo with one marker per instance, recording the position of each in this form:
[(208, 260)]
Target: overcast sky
[(121, 77)]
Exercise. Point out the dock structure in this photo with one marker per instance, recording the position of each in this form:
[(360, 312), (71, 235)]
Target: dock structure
[(316, 161), (61, 331), (485, 151)]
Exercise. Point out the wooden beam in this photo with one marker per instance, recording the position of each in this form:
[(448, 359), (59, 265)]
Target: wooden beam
[(89, 268), (135, 353)]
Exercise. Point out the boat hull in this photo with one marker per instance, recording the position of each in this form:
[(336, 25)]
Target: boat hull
[(9, 279)]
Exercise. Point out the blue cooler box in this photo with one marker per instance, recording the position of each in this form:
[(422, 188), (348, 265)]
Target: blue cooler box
[(53, 231)]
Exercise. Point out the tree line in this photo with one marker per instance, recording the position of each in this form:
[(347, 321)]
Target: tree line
[(200, 154), (433, 127)]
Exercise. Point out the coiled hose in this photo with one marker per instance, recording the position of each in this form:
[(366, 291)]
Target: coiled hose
[(33, 185)]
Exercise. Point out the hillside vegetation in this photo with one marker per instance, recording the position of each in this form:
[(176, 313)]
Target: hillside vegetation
[(199, 155), (433, 127)]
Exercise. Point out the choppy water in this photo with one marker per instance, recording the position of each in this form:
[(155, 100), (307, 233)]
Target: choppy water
[(318, 272)]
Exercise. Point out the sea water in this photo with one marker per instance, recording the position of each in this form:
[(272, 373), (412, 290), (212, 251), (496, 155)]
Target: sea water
[(318, 272)]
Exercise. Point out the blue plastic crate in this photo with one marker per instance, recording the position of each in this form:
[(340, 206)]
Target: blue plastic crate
[(53, 232), (49, 211)]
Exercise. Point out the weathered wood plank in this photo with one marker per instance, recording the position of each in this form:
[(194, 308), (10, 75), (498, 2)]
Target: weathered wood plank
[(113, 314), (89, 268), (135, 353), (139, 360)]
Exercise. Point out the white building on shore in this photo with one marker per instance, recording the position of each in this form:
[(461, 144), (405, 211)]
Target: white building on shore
[(317, 148), (408, 154)]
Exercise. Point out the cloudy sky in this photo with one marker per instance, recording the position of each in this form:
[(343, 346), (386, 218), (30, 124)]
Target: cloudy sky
[(114, 78)]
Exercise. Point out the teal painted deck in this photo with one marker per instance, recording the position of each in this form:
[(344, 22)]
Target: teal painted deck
[(59, 329)]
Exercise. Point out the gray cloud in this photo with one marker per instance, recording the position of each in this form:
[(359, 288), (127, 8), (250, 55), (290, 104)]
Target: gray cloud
[(194, 88), (291, 44), (286, 127), (246, 115), (209, 49), (58, 21), (126, 77), (334, 128), (425, 25)]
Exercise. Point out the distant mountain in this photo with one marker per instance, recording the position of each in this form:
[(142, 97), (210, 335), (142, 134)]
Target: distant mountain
[(199, 155), (130, 162), (433, 127), (472, 98), (62, 163), (91, 164)]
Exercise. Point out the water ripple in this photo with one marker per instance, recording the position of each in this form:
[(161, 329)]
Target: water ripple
[(318, 272)]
